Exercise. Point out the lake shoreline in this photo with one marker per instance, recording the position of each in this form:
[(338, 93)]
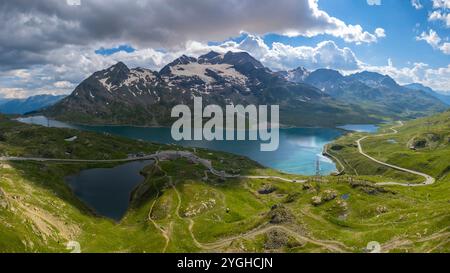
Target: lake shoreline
[(299, 151), (282, 126)]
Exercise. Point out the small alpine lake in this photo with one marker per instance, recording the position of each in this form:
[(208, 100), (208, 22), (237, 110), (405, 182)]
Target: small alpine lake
[(107, 190)]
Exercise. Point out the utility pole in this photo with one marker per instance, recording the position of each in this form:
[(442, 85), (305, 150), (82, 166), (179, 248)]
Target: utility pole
[(318, 169)]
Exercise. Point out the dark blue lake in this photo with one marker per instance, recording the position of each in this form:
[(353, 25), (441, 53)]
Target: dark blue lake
[(107, 191)]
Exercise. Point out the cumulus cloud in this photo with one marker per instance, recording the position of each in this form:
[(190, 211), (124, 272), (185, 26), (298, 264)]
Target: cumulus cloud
[(436, 78), (439, 15), (282, 57), (49, 47), (441, 4), (31, 29), (433, 39), (445, 47), (380, 33)]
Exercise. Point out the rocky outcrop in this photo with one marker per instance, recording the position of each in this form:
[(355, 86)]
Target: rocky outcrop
[(267, 189), (280, 214), (276, 239)]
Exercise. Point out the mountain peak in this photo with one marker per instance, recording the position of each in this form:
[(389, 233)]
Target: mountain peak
[(374, 79), (418, 86), (324, 75), (297, 75), (241, 58), (182, 60), (119, 66), (210, 57)]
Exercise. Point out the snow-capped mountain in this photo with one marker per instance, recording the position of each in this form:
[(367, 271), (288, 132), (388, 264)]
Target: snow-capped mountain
[(378, 94), (119, 95), (297, 75)]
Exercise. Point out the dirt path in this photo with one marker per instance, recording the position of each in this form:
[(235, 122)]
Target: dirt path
[(272, 177), (398, 243), (329, 245), (164, 232), (428, 179)]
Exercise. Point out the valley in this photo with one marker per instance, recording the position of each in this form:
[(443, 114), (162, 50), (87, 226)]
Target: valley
[(215, 135), (232, 204)]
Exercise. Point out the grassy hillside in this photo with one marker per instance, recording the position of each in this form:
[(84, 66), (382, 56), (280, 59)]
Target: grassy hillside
[(181, 207), (422, 145)]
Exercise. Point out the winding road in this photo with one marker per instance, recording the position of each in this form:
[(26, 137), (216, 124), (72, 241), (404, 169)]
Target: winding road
[(429, 180), (162, 155), (171, 155)]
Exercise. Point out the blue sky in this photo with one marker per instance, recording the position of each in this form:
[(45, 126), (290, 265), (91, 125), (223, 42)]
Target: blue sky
[(405, 39), (402, 23), (113, 50)]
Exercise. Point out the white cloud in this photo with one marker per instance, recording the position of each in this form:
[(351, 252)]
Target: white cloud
[(284, 57), (21, 93), (439, 15), (380, 33), (416, 4), (325, 55), (441, 4), (445, 47), (157, 23), (436, 78), (433, 39), (63, 84), (374, 2)]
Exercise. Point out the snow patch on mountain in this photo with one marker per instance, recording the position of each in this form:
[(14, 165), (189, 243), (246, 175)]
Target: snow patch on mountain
[(201, 70)]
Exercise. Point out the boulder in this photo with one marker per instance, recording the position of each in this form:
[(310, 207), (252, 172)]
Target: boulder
[(381, 209), (329, 195), (279, 214), (316, 200), (276, 239), (267, 189)]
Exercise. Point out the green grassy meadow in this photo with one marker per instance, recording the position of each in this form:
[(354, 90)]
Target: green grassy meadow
[(181, 207)]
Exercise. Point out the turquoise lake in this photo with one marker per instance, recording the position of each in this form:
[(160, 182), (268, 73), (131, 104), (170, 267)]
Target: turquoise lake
[(297, 154)]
